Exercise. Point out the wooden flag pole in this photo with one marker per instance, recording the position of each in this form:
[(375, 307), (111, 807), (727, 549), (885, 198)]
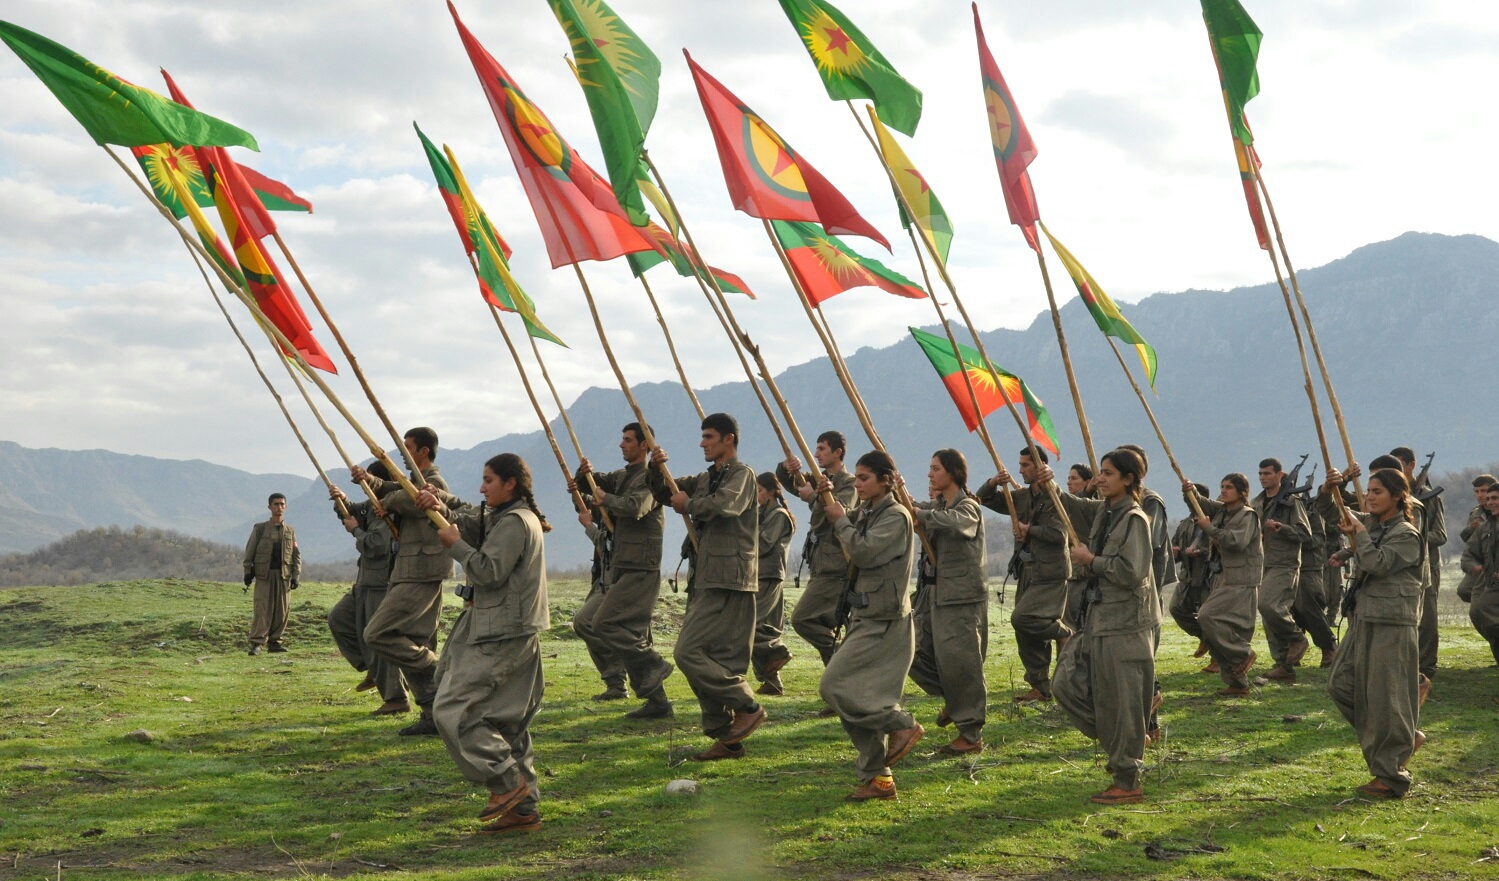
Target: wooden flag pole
[(566, 422), (277, 337), (847, 381), (1311, 331), (364, 383), (972, 330), (624, 386), (255, 362), (1160, 435), (718, 301), (741, 340), (672, 347), (1077, 397)]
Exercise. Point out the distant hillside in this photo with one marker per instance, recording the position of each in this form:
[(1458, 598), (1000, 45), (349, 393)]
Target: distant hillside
[(114, 554)]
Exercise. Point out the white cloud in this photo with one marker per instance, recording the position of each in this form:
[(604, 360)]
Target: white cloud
[(112, 342)]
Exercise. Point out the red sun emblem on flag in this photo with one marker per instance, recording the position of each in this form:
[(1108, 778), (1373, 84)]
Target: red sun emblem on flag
[(546, 148), (771, 159), (1001, 120)]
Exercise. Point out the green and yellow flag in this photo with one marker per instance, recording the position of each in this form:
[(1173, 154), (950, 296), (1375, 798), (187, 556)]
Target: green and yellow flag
[(112, 110), (1105, 311), (930, 217), (1236, 49), (850, 66), (499, 286), (992, 386), (620, 77), (176, 182)]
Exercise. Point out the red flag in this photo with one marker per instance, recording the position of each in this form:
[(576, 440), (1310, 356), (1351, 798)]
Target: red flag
[(766, 178), (1013, 147), (577, 211)]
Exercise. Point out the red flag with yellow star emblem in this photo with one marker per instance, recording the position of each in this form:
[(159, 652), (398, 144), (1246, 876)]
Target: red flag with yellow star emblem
[(766, 178), (579, 216), (1013, 147)]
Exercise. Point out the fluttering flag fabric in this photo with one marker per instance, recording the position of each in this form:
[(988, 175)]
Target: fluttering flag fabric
[(272, 294), (825, 266), (273, 194), (620, 77), (993, 386), (1103, 309), (447, 187), (682, 261), (1245, 155), (930, 217), (765, 177), (1236, 49), (1013, 148), (169, 178), (112, 110), (579, 216), (850, 66), (491, 253)]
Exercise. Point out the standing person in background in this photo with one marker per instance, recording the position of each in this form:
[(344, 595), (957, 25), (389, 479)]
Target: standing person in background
[(952, 609), (1481, 564), (1105, 680), (1232, 546), (1374, 679), (272, 564), (813, 618), (404, 629), (718, 633), (490, 681), (1310, 610), (1434, 535), (865, 678), (623, 618), (1191, 576), (1286, 531), (375, 541), (777, 525), (1476, 519), (610, 669)]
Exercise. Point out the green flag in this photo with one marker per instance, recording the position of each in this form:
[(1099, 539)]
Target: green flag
[(850, 66), (111, 110), (620, 78), (1236, 49)]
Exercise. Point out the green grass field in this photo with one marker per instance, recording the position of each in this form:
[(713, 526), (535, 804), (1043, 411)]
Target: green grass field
[(270, 767)]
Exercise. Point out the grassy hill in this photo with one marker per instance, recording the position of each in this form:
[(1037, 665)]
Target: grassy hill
[(112, 553), (271, 767)]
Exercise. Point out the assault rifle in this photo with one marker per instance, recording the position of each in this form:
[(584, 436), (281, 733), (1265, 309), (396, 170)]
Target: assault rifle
[(1305, 490), (1287, 489), (1421, 488)]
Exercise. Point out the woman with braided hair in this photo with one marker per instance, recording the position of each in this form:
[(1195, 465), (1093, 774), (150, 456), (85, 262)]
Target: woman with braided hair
[(952, 605), (777, 525), (489, 676)]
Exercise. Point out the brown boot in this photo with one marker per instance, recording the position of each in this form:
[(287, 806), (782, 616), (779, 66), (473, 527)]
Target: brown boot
[(771, 688), (1211, 668), (874, 789), (1423, 691), (1243, 666), (366, 684), (1296, 652), (1233, 691), (944, 719), (773, 666), (744, 724), (900, 742), (721, 750), (501, 802), (1116, 796), (962, 746), (1202, 648), (1031, 696), (1377, 788), (392, 708), (1282, 673), (1327, 655), (514, 822)]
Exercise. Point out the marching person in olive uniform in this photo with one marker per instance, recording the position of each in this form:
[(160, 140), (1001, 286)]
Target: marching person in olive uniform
[(375, 541), (1040, 616), (1434, 533), (718, 633), (272, 563), (1310, 610), (490, 681), (952, 606), (404, 629), (1230, 543), (1481, 564), (611, 670), (1333, 570), (814, 616), (623, 619), (1191, 576), (865, 680), (1374, 680), (777, 525), (1080, 502), (1286, 531), (1105, 679), (1476, 519)]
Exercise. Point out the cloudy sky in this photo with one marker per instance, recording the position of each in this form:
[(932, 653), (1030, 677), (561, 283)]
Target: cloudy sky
[(1366, 122)]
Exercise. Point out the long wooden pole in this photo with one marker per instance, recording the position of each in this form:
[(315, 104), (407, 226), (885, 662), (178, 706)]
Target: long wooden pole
[(846, 380), (1077, 397), (277, 337), (718, 301), (364, 383), (672, 347), (1311, 331), (952, 288), (1160, 435), (255, 362)]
